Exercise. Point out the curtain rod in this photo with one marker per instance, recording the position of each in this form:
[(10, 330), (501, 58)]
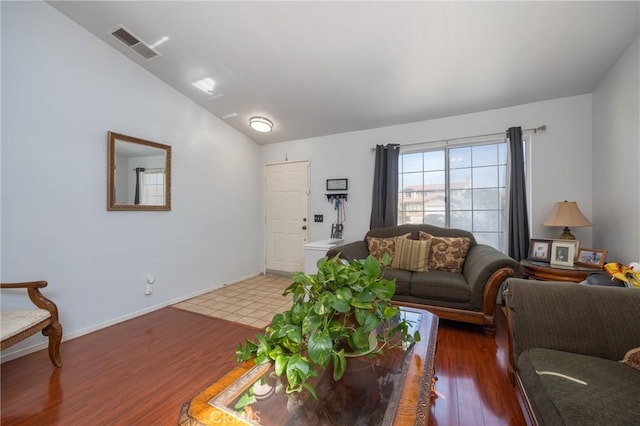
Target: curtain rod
[(446, 141)]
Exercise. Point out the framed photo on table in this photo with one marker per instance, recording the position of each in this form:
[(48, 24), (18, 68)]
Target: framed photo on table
[(562, 253), (540, 250), (575, 244), (591, 257)]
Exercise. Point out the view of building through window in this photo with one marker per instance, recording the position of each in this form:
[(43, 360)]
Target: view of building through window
[(458, 187)]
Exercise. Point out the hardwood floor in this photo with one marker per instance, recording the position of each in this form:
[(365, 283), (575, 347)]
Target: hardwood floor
[(473, 385), (140, 372)]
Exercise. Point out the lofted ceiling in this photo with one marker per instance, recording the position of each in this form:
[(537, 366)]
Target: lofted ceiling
[(319, 68)]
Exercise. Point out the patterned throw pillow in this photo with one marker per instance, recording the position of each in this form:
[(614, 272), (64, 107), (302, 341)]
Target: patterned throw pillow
[(632, 358), (411, 255), (379, 246), (447, 253)]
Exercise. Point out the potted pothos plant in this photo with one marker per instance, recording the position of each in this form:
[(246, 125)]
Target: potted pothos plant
[(343, 310)]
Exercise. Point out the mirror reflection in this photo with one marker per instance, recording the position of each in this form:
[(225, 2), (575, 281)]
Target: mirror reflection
[(139, 175)]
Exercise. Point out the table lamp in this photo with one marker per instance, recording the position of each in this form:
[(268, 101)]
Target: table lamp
[(566, 213)]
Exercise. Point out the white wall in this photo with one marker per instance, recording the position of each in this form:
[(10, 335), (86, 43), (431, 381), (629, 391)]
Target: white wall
[(616, 159), (561, 159), (62, 90)]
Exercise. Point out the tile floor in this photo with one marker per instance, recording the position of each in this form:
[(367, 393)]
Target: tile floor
[(252, 302)]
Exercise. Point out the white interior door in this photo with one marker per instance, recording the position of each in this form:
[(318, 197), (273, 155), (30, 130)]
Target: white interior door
[(286, 215)]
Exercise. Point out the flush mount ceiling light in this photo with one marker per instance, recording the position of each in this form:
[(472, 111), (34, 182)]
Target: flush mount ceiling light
[(206, 85), (260, 124)]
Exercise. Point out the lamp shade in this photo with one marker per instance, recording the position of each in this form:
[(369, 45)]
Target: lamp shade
[(566, 213)]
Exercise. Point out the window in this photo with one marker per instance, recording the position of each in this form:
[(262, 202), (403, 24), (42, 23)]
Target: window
[(153, 188), (458, 187)]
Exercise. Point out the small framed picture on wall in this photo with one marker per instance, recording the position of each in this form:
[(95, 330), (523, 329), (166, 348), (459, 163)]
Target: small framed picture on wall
[(337, 184), (540, 250), (562, 253)]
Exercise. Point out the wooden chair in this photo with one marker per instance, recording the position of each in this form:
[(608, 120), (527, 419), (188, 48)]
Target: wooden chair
[(18, 325)]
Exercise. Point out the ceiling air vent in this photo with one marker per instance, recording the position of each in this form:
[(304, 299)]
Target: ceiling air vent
[(134, 42)]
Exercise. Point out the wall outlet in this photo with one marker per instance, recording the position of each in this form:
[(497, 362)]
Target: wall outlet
[(148, 289), (318, 218)]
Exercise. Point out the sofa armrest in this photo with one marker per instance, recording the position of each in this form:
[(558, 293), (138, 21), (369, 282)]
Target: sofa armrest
[(578, 318), (350, 251), (481, 264)]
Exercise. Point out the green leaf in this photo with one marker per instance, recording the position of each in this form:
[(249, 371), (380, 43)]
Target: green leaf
[(320, 347), (390, 311), (274, 352), (364, 296), (281, 364), (311, 390), (361, 315), (323, 305), (244, 354), (384, 289), (297, 314), (341, 306), (343, 300), (372, 267), (245, 399), (297, 372), (311, 323), (360, 339), (294, 333), (262, 358), (360, 305), (371, 322), (339, 364), (263, 345)]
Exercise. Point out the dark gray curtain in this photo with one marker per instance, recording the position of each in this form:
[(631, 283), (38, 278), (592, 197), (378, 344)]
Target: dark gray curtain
[(384, 210), (139, 170), (518, 231)]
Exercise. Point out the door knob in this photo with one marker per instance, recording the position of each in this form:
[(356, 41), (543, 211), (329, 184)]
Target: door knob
[(304, 227), (304, 219)]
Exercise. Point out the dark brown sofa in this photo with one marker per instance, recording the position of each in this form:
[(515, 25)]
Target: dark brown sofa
[(566, 342), (469, 296)]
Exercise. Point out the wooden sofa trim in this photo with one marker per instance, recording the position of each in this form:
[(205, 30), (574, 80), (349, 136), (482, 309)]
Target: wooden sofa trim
[(486, 318), (50, 327)]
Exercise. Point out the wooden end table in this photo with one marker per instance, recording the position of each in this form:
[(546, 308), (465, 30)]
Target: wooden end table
[(545, 272), (413, 394)]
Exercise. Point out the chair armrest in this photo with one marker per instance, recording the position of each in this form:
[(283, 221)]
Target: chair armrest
[(35, 296), (481, 263), (32, 284), (350, 251), (578, 318)]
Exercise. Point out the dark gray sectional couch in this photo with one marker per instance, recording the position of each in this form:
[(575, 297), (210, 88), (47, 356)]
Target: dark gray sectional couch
[(566, 342)]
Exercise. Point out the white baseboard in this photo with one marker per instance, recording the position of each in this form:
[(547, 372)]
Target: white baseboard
[(10, 355)]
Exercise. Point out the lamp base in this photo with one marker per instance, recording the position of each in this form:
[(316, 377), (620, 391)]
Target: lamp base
[(566, 234)]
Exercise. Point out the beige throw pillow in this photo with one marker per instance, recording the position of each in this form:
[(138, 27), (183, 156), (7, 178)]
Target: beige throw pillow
[(379, 246), (447, 253), (411, 255)]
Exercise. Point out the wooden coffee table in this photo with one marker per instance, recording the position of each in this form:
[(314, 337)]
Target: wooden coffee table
[(406, 388)]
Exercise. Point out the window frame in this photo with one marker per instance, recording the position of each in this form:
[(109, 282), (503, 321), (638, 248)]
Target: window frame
[(446, 149)]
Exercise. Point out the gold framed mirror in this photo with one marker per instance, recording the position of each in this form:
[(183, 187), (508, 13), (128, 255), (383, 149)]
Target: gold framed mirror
[(138, 174)]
